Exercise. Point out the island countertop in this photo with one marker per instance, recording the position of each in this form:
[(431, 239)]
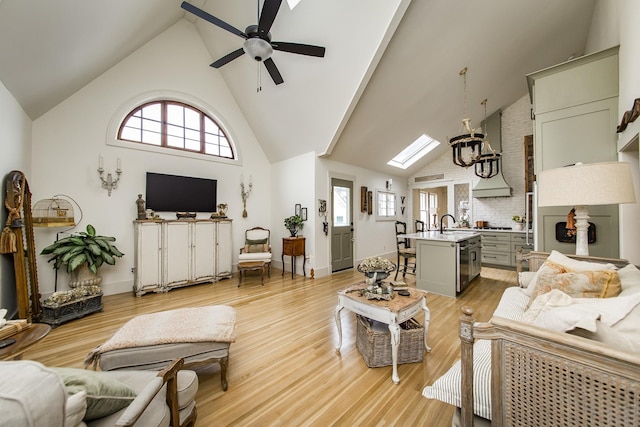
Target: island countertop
[(445, 236)]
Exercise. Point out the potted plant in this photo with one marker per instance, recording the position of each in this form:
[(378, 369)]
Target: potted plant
[(83, 254), (293, 224), (519, 220)]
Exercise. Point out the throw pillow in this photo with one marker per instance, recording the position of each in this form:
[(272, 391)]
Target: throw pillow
[(255, 246), (547, 268), (577, 265), (75, 409), (629, 279), (581, 284), (105, 395)]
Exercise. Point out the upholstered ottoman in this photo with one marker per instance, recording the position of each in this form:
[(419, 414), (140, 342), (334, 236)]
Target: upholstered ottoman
[(199, 335)]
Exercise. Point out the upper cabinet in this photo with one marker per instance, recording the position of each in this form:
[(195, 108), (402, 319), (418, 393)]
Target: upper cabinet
[(575, 106)]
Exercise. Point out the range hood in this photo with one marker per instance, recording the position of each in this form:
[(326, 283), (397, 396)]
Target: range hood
[(492, 187), (496, 186)]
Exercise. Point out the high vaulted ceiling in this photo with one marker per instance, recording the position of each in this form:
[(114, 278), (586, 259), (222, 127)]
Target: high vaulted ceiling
[(377, 89)]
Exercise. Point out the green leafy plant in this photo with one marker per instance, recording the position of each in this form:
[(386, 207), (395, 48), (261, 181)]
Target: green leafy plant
[(83, 247), (518, 218), (293, 223)]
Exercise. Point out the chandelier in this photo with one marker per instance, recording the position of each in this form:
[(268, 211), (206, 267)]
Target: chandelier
[(466, 147), (488, 165)]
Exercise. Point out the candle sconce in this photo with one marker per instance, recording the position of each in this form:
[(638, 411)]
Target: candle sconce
[(245, 194), (109, 183)]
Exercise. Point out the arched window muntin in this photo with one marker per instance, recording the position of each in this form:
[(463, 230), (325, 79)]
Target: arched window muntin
[(176, 125)]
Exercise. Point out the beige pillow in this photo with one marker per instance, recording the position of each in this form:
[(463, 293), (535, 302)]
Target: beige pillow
[(547, 268), (577, 265), (581, 284)]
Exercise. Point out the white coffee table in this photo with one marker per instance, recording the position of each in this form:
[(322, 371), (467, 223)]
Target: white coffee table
[(392, 312)]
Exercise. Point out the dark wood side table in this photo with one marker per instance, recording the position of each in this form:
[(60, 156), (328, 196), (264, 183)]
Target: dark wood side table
[(293, 247), (24, 339)]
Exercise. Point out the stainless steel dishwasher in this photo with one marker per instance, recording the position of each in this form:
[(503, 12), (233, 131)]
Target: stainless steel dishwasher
[(463, 266)]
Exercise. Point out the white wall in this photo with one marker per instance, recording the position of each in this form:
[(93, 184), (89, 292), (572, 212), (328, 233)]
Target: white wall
[(16, 155), (604, 30), (69, 138), (293, 183)]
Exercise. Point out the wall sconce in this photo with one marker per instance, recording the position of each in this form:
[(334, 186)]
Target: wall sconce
[(245, 194), (388, 184), (109, 183)]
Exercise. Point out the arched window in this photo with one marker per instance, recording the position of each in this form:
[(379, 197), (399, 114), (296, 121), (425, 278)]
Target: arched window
[(175, 125)]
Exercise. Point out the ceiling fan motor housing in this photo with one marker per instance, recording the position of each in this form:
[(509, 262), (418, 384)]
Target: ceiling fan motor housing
[(258, 44)]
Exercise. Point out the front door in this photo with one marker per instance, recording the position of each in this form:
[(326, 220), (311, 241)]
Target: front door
[(341, 224)]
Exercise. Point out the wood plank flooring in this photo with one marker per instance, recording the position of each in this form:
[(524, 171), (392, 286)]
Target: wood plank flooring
[(283, 369)]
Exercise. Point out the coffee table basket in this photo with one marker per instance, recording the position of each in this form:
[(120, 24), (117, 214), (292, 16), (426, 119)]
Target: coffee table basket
[(374, 342)]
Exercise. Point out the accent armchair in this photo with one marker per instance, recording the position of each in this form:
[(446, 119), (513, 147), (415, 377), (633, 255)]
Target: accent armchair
[(257, 247)]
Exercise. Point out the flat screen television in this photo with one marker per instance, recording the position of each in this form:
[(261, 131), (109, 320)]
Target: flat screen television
[(173, 193)]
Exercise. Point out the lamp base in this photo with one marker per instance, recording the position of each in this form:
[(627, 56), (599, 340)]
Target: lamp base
[(582, 227)]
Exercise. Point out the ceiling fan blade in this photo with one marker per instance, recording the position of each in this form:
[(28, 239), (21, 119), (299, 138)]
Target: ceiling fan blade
[(227, 58), (302, 49), (268, 15), (273, 71), (215, 21)]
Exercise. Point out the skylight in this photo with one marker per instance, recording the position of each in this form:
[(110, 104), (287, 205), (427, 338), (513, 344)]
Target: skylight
[(418, 149), (292, 3)]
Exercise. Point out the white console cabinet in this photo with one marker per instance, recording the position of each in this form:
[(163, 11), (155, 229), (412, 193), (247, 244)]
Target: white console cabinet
[(176, 253)]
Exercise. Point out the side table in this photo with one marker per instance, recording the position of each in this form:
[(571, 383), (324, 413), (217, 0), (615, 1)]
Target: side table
[(293, 247), (24, 339), (391, 312)]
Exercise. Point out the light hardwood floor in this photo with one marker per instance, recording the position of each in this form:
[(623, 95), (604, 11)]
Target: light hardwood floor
[(283, 368)]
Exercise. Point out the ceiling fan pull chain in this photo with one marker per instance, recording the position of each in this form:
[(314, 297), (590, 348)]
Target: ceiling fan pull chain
[(259, 87)]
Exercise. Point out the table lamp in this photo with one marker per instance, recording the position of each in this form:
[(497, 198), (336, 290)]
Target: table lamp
[(583, 185)]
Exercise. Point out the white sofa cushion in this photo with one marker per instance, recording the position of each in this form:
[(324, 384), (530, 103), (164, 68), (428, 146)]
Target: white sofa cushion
[(31, 395), (447, 388), (255, 256)]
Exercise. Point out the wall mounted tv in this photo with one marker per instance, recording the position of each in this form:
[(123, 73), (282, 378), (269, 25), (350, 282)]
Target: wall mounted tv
[(173, 193)]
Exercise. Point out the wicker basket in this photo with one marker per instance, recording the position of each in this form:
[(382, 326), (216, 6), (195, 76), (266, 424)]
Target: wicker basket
[(375, 346)]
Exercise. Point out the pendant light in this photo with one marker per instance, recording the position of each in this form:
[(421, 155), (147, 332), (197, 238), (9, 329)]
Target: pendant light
[(467, 146), (488, 165)]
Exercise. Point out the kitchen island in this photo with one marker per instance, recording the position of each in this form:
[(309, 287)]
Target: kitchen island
[(446, 262)]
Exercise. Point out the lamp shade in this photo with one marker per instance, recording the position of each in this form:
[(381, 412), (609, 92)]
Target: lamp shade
[(590, 184)]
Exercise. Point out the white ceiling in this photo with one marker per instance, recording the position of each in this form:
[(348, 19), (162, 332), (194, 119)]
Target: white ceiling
[(347, 106)]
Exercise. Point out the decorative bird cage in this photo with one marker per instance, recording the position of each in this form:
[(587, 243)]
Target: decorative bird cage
[(54, 212)]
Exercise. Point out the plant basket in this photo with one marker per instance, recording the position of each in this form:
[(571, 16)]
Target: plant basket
[(375, 345)]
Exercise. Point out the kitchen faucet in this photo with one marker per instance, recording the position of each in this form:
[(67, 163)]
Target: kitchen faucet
[(442, 218)]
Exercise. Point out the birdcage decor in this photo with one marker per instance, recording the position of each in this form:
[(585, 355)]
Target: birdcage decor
[(54, 212)]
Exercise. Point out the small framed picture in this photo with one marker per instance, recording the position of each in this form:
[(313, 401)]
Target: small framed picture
[(298, 209), (303, 214)]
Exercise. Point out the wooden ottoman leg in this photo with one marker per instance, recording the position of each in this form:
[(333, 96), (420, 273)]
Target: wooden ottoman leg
[(224, 362)]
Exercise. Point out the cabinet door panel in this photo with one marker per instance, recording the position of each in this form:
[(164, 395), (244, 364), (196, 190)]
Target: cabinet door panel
[(224, 249), (203, 246), (148, 262), (177, 253)]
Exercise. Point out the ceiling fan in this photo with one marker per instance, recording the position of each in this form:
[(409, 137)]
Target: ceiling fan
[(258, 42)]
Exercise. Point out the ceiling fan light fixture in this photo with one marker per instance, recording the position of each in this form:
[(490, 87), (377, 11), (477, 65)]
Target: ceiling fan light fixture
[(257, 49)]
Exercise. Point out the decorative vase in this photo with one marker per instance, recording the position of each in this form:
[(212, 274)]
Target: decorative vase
[(82, 276), (293, 231), (378, 276), (518, 226)]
